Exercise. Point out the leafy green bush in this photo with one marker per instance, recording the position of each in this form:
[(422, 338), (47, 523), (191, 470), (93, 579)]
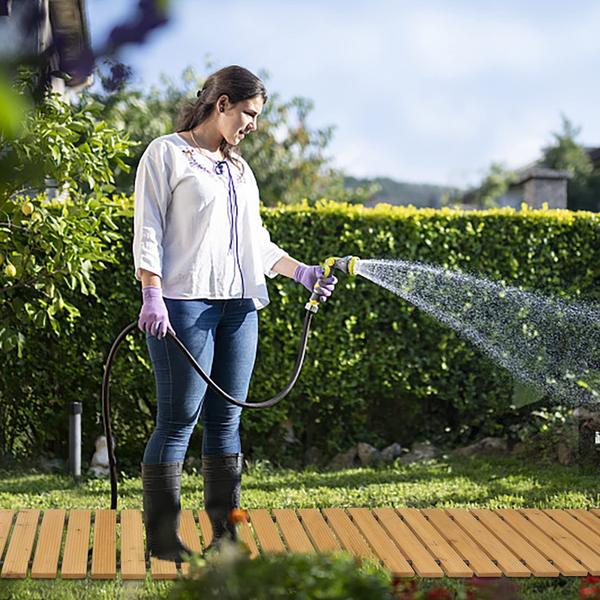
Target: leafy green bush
[(232, 575), (377, 369)]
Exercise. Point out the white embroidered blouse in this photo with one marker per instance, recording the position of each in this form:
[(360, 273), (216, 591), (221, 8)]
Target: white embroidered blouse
[(197, 225)]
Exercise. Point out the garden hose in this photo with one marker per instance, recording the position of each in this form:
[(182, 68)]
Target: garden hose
[(345, 264)]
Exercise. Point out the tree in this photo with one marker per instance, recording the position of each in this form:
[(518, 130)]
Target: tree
[(494, 185), (285, 153), (49, 246), (565, 154)]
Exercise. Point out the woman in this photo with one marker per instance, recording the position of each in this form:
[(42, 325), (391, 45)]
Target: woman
[(202, 253)]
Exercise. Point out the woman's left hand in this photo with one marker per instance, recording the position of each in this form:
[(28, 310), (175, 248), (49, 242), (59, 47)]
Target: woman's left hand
[(311, 277)]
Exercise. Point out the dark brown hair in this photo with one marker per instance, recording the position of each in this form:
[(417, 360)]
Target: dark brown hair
[(235, 82)]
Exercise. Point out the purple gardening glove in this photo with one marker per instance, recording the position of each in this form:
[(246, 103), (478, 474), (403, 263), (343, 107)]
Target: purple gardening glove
[(311, 276), (154, 316)]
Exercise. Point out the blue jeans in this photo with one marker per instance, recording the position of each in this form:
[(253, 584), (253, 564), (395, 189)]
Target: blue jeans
[(222, 336)]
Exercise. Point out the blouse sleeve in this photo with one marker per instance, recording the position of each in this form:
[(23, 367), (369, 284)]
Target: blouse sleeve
[(152, 195), (270, 251)]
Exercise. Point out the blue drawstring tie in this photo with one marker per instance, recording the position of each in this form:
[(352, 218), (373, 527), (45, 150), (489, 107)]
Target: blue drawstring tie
[(232, 213)]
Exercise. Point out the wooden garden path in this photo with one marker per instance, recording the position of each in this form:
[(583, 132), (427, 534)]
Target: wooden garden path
[(104, 544)]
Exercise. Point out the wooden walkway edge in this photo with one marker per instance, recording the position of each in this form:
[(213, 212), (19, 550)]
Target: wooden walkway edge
[(104, 544)]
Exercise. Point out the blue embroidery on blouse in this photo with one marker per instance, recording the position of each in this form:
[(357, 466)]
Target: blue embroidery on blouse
[(232, 203), (191, 156)]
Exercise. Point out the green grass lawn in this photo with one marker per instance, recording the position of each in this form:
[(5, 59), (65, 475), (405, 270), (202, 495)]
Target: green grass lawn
[(489, 483)]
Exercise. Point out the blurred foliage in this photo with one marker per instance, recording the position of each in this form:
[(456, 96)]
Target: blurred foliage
[(68, 147), (565, 154), (494, 185), (285, 153), (371, 356), (233, 574)]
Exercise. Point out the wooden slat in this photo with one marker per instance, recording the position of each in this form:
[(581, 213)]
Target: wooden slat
[(584, 534), (477, 559), (318, 530), (163, 569), (420, 559), (510, 564), (104, 552), (451, 562), (587, 518), (188, 533), (265, 530), (47, 550), (520, 547), (6, 519), (246, 536), (19, 550), (205, 528), (490, 543), (244, 531), (566, 564), (580, 552), (75, 555), (294, 535), (385, 548), (347, 533), (133, 560)]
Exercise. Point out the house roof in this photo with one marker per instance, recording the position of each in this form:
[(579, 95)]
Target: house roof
[(535, 172)]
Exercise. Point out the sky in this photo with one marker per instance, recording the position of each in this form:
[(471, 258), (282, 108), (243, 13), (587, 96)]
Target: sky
[(429, 92)]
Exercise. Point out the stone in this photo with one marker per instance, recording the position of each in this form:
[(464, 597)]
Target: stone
[(345, 460), (486, 445), (583, 413), (391, 452), (367, 454), (420, 451), (519, 448)]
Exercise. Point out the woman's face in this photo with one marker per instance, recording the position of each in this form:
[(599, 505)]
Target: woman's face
[(239, 119)]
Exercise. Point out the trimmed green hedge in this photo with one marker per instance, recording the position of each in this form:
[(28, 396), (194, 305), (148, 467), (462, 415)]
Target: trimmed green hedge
[(377, 369)]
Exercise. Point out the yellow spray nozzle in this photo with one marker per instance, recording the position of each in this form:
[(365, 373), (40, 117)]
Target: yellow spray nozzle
[(347, 264)]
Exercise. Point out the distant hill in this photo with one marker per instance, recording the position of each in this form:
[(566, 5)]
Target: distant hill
[(401, 192)]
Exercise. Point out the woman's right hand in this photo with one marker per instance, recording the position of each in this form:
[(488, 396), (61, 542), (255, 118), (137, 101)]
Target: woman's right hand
[(154, 316)]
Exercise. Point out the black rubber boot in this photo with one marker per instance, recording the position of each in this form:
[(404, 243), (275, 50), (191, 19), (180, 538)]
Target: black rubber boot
[(161, 484), (222, 483)]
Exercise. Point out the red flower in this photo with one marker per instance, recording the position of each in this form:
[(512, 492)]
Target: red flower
[(438, 593)]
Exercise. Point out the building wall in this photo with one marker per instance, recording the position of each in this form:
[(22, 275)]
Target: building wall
[(552, 191)]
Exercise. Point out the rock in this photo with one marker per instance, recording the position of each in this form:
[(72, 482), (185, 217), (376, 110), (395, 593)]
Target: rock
[(519, 448), (420, 451), (583, 413), (564, 454), (367, 454), (345, 460), (52, 465), (486, 445), (391, 452)]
